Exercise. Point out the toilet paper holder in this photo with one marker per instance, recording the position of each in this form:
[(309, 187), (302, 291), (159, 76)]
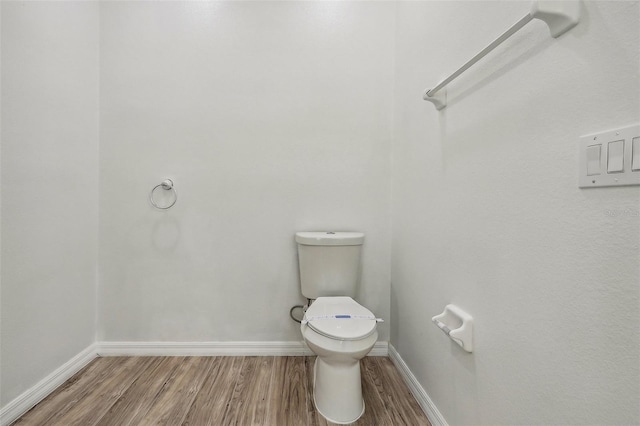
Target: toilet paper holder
[(457, 324)]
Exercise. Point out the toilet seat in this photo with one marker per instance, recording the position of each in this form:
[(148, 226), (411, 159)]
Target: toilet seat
[(321, 318)]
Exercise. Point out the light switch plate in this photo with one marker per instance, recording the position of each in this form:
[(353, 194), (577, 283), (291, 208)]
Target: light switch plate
[(587, 178)]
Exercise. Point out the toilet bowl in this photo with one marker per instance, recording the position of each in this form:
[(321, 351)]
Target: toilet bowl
[(340, 332)]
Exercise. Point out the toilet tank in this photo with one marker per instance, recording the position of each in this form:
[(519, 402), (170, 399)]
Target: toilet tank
[(329, 263)]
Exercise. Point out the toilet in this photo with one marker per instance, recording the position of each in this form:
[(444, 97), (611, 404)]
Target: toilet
[(336, 328)]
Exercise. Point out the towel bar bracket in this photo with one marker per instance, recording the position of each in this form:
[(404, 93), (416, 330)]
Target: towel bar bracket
[(560, 16), (439, 99)]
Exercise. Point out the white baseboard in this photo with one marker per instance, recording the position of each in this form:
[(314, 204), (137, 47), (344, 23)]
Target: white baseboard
[(28, 399), (380, 349), (427, 405), (202, 349), (291, 348)]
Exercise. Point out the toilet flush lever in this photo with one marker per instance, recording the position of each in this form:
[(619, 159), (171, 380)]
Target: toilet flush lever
[(331, 317)]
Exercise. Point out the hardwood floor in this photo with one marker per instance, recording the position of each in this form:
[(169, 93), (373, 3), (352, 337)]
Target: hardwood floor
[(198, 391)]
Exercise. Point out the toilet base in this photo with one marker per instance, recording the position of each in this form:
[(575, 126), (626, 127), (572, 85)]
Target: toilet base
[(337, 391)]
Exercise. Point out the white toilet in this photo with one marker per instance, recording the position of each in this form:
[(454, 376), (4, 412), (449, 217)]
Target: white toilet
[(335, 327)]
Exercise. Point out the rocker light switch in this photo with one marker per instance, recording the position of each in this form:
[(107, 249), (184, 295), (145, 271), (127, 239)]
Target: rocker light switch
[(615, 163), (593, 160), (635, 158)]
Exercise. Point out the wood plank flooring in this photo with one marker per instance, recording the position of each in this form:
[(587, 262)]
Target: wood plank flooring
[(199, 391)]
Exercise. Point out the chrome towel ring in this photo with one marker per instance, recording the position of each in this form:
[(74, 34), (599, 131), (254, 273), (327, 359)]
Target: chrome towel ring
[(167, 185)]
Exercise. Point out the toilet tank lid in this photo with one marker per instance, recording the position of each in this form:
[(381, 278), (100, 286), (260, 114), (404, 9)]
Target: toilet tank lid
[(330, 238)]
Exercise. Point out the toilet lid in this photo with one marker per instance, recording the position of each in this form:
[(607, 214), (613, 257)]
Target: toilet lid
[(322, 314)]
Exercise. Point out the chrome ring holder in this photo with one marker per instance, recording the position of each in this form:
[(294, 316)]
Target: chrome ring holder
[(167, 185)]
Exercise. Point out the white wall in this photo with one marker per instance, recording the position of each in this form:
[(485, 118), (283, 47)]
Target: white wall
[(49, 187), (487, 215), (271, 118)]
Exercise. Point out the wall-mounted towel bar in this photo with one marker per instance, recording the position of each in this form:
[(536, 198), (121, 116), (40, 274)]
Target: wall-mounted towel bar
[(560, 16)]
